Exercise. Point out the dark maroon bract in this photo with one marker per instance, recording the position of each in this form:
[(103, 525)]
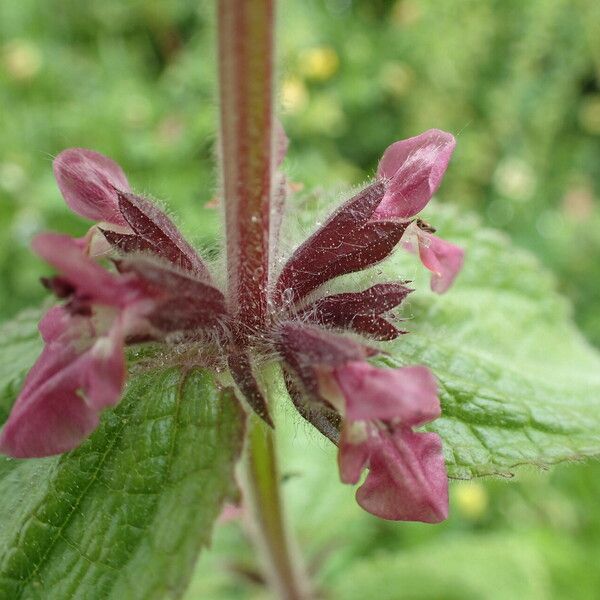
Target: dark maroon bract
[(156, 288)]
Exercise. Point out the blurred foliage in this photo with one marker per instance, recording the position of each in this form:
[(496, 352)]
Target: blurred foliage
[(518, 82)]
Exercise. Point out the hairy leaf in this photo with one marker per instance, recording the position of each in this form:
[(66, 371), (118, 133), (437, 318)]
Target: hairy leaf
[(519, 384), (20, 345), (126, 514)]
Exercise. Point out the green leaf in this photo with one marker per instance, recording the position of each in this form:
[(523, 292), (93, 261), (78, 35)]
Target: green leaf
[(20, 344), (467, 568), (125, 515), (519, 384)]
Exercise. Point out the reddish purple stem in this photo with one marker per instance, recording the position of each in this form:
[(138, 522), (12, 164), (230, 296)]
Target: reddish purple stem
[(246, 67)]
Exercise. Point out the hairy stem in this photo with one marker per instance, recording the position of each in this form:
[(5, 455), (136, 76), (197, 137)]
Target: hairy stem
[(246, 49), (284, 570)]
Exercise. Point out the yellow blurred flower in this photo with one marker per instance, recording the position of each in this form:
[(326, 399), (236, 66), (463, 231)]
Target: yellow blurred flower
[(319, 64), (21, 59), (294, 95), (471, 500)]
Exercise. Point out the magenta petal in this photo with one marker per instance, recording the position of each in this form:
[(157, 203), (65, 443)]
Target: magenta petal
[(442, 258), (53, 324), (407, 394), (65, 254), (407, 478), (52, 417), (63, 394), (89, 182), (412, 170), (56, 421), (57, 329)]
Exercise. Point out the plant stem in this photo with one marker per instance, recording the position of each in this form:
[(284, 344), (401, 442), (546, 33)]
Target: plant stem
[(246, 64), (284, 570)]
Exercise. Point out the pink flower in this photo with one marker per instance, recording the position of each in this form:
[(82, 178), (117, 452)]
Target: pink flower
[(82, 369), (370, 412), (89, 182), (412, 171), (407, 476), (163, 292), (443, 259)]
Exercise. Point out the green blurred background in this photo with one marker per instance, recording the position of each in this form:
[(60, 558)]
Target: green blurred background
[(518, 82)]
